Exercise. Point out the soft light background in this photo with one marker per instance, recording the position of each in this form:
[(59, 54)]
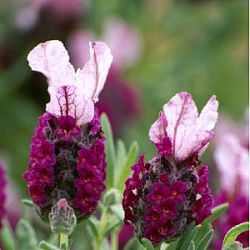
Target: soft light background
[(196, 46)]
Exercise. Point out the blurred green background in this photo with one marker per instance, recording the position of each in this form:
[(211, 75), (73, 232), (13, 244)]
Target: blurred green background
[(196, 46)]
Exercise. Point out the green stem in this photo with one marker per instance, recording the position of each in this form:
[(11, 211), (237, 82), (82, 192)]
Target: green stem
[(63, 241), (114, 240), (157, 247), (103, 224)]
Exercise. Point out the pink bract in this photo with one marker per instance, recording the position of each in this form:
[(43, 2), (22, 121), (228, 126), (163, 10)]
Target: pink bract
[(72, 93), (232, 161), (188, 132)]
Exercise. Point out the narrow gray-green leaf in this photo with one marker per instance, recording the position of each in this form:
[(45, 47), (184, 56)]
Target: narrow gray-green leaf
[(26, 237), (216, 213), (147, 244), (204, 229), (121, 155), (188, 236), (204, 243), (47, 246), (133, 244), (234, 232), (7, 237), (131, 158), (113, 224), (191, 246), (27, 202), (118, 211), (92, 224), (233, 246), (110, 150)]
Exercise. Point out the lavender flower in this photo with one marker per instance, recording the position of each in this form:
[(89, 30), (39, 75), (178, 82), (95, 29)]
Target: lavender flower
[(2, 194), (231, 156), (171, 191), (67, 156)]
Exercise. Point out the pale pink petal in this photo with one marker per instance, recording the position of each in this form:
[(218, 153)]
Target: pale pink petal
[(69, 101), (158, 129), (92, 77), (233, 162), (52, 59), (209, 115), (125, 42), (181, 114)]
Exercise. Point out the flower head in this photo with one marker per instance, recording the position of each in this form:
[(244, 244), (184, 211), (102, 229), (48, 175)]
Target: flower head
[(232, 160), (67, 156), (188, 134), (171, 191)]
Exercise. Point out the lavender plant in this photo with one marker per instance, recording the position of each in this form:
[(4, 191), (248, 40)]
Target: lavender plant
[(167, 199)]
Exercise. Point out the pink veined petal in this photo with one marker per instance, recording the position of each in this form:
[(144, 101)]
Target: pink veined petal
[(92, 77), (52, 59), (232, 162), (181, 114), (209, 115), (69, 101), (202, 141), (158, 129)]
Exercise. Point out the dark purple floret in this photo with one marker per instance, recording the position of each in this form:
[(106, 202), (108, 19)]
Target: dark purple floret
[(66, 161), (2, 195), (164, 196)]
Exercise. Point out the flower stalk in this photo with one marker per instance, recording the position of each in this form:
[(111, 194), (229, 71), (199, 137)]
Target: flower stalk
[(63, 242)]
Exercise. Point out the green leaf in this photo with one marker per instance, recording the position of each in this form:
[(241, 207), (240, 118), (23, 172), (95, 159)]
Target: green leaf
[(164, 246), (27, 202), (121, 153), (113, 224), (25, 235), (187, 237), (233, 246), (205, 241), (118, 211), (133, 244), (216, 213), (110, 150), (47, 246), (173, 245), (233, 233), (6, 236), (131, 158), (204, 229), (147, 244), (92, 224), (191, 246), (121, 157)]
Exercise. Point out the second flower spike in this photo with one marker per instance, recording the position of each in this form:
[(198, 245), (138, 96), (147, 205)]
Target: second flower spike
[(67, 154), (166, 194)]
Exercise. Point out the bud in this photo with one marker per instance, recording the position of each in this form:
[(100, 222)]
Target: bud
[(111, 197), (62, 218)]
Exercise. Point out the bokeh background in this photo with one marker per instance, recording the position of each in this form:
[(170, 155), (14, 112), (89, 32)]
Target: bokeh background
[(160, 47)]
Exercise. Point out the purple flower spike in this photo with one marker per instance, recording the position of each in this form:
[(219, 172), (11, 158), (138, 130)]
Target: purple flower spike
[(171, 191), (67, 154)]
